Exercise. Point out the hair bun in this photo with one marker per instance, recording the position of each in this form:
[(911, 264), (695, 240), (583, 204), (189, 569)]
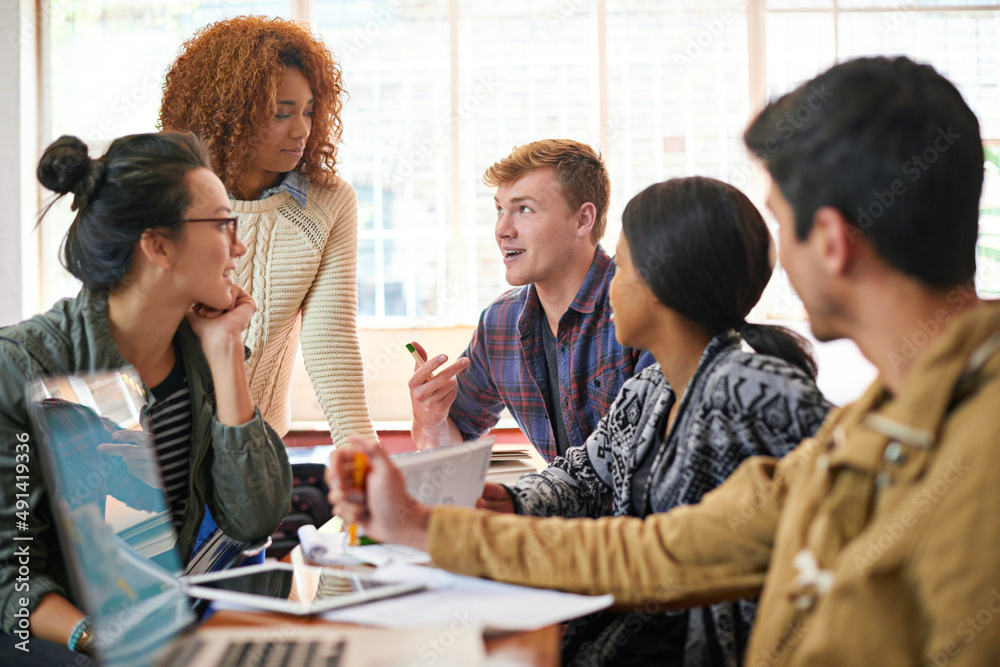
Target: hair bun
[(66, 167)]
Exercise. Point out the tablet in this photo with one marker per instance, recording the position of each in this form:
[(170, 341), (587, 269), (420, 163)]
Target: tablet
[(293, 589)]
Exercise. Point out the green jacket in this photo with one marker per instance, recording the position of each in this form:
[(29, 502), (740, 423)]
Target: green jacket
[(241, 472)]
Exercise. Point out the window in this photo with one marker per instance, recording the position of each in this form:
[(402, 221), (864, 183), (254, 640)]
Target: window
[(958, 39), (440, 89), (104, 72)]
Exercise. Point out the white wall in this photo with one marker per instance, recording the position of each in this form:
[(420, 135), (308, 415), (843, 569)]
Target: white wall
[(18, 149)]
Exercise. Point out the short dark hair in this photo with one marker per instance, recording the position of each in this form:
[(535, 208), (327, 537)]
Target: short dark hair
[(138, 184), (893, 146), (703, 249), (578, 168)]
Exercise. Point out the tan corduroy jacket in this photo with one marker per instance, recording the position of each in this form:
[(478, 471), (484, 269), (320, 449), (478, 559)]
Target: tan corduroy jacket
[(877, 542)]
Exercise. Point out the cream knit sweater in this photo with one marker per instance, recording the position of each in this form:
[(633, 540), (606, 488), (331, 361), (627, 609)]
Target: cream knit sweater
[(301, 269)]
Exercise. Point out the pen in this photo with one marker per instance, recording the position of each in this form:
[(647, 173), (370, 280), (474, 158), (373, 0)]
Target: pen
[(413, 353), (360, 470), (416, 356)]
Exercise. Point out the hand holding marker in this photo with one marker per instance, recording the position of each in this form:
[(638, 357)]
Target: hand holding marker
[(431, 397), (360, 471), (417, 357)]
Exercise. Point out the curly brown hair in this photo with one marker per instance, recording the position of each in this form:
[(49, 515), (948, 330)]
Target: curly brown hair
[(223, 87)]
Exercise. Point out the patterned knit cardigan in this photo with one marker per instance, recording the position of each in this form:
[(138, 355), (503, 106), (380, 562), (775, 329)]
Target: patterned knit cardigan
[(737, 404)]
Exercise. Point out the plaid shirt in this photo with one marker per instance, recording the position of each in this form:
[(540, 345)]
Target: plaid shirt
[(507, 364)]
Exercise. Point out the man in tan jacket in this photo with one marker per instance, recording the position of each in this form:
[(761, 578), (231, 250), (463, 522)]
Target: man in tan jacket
[(875, 542)]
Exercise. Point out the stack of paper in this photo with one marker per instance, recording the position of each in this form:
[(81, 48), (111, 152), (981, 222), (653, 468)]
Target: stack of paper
[(509, 461), (495, 606)]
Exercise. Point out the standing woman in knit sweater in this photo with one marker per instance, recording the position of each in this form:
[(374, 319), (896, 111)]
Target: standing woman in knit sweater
[(265, 97)]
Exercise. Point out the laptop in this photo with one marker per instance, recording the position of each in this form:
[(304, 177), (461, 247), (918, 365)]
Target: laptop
[(121, 551)]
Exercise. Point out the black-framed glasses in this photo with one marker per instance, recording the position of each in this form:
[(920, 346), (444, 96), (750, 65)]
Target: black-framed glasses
[(231, 224)]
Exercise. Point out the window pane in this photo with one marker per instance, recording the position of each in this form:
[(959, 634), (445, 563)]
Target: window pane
[(526, 71), (367, 280), (798, 4), (108, 59), (799, 46), (396, 153), (961, 45), (678, 93), (988, 248), (107, 63), (907, 7)]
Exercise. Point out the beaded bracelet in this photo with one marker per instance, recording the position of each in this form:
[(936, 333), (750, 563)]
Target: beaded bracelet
[(79, 639)]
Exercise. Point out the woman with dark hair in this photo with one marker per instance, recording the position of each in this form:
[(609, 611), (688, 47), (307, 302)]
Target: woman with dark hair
[(154, 243), (693, 259), (265, 96)]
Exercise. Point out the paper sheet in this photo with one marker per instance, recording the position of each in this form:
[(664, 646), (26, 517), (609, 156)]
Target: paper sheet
[(455, 598), (448, 475)]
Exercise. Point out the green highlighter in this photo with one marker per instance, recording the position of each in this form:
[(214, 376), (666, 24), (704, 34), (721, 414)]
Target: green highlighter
[(413, 352)]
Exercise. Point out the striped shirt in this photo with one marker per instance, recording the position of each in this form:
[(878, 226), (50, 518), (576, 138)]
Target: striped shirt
[(508, 368), (170, 417)]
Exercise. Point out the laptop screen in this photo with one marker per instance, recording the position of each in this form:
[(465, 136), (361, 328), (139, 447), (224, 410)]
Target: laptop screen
[(112, 515)]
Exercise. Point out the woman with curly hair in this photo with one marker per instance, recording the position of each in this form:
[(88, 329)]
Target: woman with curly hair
[(265, 96)]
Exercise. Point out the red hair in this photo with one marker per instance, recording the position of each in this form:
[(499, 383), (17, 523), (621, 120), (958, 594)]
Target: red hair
[(578, 168), (223, 87)]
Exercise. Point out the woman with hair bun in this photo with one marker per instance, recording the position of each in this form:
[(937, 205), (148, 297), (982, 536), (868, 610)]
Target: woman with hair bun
[(693, 259), (265, 96), (154, 242)]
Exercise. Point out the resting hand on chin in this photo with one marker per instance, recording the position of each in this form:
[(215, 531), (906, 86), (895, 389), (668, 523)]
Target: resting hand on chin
[(222, 327)]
